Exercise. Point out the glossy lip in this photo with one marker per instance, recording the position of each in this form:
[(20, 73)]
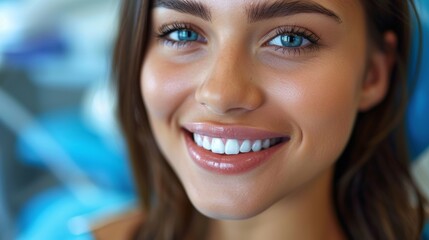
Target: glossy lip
[(230, 131), (229, 164)]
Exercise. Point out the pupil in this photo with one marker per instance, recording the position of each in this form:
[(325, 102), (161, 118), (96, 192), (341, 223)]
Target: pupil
[(186, 35), (291, 40)]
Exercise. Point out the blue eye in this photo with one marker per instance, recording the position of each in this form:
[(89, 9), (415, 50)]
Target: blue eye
[(289, 41), (183, 35)]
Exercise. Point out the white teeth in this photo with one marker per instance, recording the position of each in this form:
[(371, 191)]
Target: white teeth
[(198, 139), (257, 145), (206, 143), (218, 146), (245, 146), (232, 147), (266, 144)]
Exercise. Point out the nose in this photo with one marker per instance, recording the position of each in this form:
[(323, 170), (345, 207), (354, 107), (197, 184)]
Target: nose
[(229, 85)]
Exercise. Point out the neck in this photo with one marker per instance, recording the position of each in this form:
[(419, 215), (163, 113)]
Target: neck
[(306, 214)]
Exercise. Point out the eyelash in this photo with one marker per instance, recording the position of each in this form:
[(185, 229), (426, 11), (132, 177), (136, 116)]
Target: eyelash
[(167, 29), (292, 30)]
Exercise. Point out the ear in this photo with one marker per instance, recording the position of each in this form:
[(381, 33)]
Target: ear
[(377, 79)]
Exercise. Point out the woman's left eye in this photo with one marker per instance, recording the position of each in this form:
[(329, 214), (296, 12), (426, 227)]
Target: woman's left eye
[(289, 40)]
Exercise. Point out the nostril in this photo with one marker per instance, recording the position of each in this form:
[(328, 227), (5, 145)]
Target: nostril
[(228, 101), (228, 92)]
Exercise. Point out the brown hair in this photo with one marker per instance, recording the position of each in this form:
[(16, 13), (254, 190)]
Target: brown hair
[(375, 195)]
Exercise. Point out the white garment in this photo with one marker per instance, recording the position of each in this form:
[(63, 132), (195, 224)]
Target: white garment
[(420, 171)]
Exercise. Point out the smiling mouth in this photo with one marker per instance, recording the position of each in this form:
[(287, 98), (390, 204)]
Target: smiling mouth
[(231, 149), (230, 146)]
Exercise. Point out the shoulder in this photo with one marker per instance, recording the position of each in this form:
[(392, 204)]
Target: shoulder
[(121, 227)]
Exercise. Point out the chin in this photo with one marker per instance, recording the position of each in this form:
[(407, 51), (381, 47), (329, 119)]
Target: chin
[(228, 214), (229, 210)]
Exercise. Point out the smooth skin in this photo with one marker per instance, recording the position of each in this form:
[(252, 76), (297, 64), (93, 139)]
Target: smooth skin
[(236, 71)]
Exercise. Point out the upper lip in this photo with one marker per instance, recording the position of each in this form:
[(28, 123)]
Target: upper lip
[(231, 131)]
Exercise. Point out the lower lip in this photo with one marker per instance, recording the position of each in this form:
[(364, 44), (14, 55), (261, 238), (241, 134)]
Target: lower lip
[(228, 164)]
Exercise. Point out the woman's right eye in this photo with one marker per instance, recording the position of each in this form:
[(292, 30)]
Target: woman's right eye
[(183, 35), (179, 35)]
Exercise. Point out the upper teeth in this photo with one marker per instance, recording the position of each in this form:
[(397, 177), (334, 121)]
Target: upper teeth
[(233, 146)]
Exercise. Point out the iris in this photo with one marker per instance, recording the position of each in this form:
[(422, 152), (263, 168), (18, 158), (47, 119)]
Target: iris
[(186, 35), (291, 40)]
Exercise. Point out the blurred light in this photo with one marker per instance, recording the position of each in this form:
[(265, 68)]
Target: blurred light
[(98, 108), (9, 23), (79, 225), (5, 23)]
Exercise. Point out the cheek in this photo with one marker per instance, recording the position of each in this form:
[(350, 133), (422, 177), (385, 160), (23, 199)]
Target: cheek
[(163, 87), (323, 104), (327, 116), (329, 105)]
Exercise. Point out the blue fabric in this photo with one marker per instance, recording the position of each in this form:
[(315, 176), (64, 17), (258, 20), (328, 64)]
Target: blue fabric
[(426, 232), (418, 113)]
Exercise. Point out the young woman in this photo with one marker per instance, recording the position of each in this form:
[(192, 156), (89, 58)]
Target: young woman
[(268, 119)]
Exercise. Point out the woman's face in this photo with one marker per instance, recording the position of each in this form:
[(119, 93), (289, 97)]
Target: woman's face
[(251, 101)]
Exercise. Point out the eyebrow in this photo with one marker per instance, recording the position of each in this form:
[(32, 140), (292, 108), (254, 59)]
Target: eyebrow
[(186, 6), (258, 12), (283, 8)]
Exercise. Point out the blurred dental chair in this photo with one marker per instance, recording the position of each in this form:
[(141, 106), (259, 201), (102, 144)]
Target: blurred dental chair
[(83, 153), (418, 116), (94, 175), (418, 111)]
